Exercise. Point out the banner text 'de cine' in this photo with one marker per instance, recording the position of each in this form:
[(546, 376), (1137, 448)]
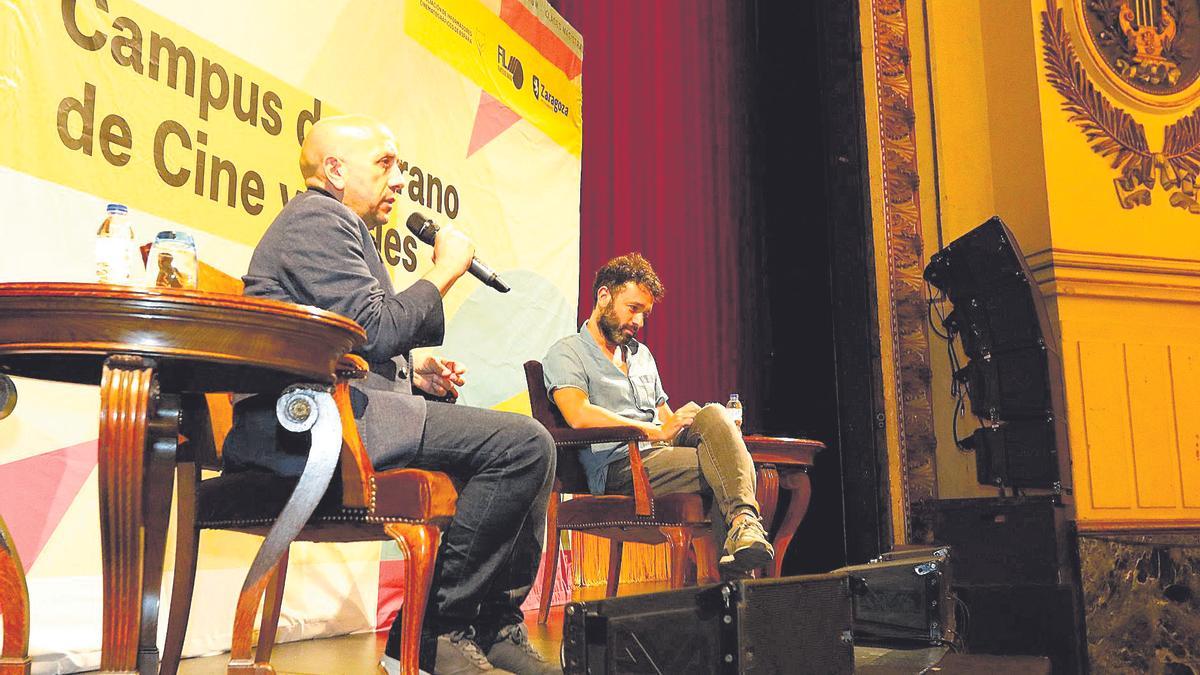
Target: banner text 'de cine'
[(128, 106)]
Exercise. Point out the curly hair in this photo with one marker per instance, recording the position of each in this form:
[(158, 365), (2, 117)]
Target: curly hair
[(621, 270)]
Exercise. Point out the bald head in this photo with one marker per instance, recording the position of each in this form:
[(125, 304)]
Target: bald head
[(353, 158), (336, 137)]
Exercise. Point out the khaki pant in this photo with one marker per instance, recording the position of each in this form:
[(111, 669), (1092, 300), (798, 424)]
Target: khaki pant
[(708, 458)]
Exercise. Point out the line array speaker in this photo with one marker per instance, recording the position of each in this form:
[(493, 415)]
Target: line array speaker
[(1013, 374)]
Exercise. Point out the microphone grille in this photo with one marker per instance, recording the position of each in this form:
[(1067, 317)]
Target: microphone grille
[(422, 227)]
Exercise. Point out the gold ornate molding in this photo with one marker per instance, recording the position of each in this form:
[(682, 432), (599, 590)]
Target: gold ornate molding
[(1063, 272), (1181, 525), (905, 255)]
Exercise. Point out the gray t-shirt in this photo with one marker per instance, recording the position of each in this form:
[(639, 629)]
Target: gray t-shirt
[(577, 361)]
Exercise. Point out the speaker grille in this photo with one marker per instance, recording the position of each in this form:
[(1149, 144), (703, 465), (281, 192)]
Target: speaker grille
[(795, 625)]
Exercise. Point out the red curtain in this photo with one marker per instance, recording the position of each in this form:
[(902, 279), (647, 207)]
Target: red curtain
[(666, 172)]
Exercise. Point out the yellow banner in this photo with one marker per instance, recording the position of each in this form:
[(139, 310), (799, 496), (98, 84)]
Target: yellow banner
[(150, 114), (478, 44)]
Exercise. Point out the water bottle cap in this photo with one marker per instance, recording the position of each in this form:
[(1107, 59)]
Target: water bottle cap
[(174, 235), (117, 208), (733, 397)]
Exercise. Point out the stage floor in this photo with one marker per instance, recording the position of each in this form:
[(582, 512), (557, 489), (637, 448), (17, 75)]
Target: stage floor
[(359, 653)]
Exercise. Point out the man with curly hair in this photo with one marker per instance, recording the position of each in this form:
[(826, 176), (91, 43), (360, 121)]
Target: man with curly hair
[(602, 377)]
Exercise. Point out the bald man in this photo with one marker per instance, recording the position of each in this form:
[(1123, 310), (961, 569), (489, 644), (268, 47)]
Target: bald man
[(319, 252)]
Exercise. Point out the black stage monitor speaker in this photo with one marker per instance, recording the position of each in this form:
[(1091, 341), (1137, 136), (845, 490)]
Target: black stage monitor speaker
[(1014, 372), (904, 595), (789, 625), (998, 540)]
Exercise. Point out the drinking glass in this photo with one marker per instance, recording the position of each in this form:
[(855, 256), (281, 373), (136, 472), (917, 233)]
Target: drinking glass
[(172, 261)]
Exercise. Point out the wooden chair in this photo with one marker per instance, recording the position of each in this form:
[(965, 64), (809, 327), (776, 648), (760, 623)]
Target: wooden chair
[(14, 594), (409, 506), (14, 608), (676, 519)]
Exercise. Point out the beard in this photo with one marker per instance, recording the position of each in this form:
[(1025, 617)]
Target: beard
[(611, 328)]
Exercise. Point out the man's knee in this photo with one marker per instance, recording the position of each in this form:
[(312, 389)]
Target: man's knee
[(713, 417), (530, 445)]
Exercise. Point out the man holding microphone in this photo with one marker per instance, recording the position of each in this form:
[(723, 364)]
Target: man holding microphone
[(319, 252)]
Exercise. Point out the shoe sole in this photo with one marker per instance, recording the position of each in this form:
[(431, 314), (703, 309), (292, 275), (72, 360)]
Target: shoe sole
[(750, 558)]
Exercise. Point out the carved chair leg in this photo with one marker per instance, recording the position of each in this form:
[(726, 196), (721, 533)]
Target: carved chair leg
[(162, 435), (324, 422), (14, 606), (679, 539), (551, 565), (243, 626), (706, 558), (272, 604), (614, 567), (419, 544), (187, 546), (800, 488)]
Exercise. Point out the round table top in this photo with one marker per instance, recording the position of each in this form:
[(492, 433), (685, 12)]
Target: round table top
[(782, 449), (201, 341)]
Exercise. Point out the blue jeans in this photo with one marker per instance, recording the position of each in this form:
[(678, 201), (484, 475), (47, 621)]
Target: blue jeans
[(504, 466)]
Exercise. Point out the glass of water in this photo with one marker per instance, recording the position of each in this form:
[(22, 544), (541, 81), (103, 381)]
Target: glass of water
[(172, 261)]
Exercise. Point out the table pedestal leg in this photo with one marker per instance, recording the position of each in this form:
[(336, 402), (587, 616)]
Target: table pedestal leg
[(796, 481), (14, 605), (125, 399), (766, 491)]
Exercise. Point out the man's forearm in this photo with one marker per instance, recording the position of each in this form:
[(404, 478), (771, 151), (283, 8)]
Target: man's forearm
[(590, 415), (442, 278)]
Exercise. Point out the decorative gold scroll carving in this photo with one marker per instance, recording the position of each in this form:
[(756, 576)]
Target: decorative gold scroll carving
[(905, 255), (1114, 133)]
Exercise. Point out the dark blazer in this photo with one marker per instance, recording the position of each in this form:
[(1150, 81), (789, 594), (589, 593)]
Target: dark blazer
[(317, 252)]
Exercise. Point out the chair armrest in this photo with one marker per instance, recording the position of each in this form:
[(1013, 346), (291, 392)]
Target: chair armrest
[(643, 496), (351, 367), (566, 436)]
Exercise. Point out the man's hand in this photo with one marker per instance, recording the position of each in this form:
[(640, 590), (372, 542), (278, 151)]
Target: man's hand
[(676, 422), (438, 376), (452, 250)]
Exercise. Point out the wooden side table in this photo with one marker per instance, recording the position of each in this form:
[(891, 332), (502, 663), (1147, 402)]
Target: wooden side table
[(782, 463), (146, 347)]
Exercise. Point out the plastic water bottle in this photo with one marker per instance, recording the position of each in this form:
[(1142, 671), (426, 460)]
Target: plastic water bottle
[(116, 254), (734, 405)]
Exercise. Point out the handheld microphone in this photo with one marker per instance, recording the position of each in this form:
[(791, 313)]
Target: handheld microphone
[(426, 230)]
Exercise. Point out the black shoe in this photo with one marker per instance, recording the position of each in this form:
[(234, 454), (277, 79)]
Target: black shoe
[(457, 654)]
